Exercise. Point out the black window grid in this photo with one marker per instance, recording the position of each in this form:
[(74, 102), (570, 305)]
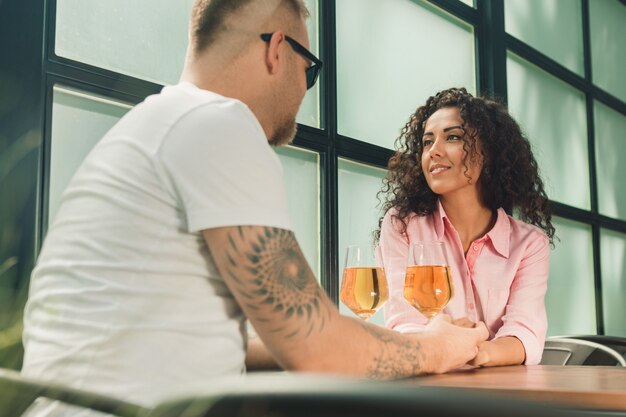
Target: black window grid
[(31, 57)]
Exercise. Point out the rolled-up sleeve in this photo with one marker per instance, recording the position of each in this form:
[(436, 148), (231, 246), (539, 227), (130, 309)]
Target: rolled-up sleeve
[(399, 315), (525, 315)]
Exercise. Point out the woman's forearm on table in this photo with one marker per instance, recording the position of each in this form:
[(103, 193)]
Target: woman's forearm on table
[(507, 350)]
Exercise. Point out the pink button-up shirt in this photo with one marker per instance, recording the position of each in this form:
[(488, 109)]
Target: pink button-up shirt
[(502, 280)]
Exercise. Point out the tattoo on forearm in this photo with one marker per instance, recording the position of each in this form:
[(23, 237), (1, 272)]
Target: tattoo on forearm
[(397, 356), (281, 278)]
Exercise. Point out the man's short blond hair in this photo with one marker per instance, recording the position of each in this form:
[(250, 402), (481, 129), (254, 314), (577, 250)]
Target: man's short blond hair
[(209, 17)]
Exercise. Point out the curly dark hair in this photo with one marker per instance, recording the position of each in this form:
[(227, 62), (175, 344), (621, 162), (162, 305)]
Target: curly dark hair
[(510, 176)]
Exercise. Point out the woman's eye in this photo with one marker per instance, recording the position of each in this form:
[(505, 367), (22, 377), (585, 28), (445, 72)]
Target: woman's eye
[(427, 142), (454, 137)]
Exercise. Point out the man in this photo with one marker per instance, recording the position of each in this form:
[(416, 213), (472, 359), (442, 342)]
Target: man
[(175, 230)]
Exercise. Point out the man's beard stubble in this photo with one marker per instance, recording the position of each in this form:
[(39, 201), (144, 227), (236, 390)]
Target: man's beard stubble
[(292, 100), (284, 133)]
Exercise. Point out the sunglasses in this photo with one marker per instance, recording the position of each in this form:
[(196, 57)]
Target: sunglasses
[(313, 71)]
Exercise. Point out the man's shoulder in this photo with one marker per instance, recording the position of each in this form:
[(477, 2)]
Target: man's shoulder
[(185, 103), (187, 96)]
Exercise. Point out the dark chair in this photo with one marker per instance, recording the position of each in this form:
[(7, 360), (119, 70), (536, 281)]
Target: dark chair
[(570, 351), (306, 396), (17, 393), (616, 343)]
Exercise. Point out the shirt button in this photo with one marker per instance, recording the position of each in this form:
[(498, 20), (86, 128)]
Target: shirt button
[(476, 248)]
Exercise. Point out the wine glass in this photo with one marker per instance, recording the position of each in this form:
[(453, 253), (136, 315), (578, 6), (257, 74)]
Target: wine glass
[(364, 286), (428, 279)]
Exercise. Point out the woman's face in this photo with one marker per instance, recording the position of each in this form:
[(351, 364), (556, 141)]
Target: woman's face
[(444, 163)]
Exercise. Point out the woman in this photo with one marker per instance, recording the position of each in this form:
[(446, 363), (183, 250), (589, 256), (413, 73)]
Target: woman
[(462, 164)]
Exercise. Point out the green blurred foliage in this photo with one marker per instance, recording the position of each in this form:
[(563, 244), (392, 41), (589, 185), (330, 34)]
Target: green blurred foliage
[(18, 184)]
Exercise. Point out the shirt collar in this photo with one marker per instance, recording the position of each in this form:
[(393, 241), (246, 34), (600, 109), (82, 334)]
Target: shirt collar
[(499, 233), (439, 217)]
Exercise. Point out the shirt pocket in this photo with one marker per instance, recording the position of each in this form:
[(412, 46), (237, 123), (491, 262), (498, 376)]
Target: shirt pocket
[(497, 300)]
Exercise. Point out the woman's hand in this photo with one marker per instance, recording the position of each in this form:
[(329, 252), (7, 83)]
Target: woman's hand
[(503, 351), (498, 352)]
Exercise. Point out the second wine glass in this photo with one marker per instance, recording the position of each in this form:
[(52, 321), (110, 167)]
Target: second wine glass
[(364, 285), (428, 279)]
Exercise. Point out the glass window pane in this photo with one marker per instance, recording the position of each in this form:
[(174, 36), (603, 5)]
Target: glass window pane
[(391, 56), (303, 192), (79, 120), (608, 49), (610, 150), (570, 300), (613, 256), (143, 41), (553, 27), (358, 213), (552, 114), (127, 37)]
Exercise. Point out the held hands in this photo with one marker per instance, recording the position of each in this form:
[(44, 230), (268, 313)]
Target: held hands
[(454, 344), (482, 357), (502, 351)]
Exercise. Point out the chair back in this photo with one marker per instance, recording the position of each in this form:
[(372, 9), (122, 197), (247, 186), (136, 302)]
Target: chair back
[(17, 393), (616, 343), (570, 351)]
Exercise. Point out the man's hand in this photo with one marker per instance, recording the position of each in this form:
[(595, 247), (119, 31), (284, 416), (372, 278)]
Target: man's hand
[(483, 356), (456, 344), (464, 322)]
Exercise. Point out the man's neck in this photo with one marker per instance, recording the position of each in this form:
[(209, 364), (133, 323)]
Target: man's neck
[(228, 81)]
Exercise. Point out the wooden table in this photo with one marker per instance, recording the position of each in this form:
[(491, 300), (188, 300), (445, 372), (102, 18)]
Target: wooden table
[(585, 387)]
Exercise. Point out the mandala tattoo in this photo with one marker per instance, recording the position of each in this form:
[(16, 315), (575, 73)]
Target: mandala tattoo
[(396, 358), (281, 277)]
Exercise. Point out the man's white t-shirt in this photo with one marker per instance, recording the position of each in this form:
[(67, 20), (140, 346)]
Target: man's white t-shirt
[(125, 298)]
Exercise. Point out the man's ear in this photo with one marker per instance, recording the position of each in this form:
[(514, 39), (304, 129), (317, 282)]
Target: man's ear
[(273, 58)]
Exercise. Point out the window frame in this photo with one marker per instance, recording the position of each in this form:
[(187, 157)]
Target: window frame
[(31, 58)]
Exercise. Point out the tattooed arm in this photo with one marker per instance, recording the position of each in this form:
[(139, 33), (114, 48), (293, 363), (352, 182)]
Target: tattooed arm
[(274, 285)]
